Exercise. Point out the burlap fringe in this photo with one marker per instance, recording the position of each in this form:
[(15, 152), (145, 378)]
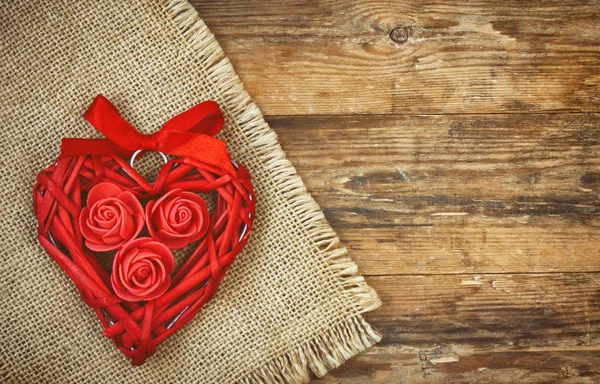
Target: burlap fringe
[(329, 350), (322, 354)]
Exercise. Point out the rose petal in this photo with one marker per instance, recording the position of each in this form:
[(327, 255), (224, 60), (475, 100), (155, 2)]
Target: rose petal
[(202, 231), (127, 225), (117, 208), (139, 224), (106, 224), (121, 291), (203, 216), (184, 214), (164, 253), (181, 218), (153, 233), (158, 274), (143, 254), (167, 196), (161, 217), (184, 228), (100, 247), (174, 208), (113, 240), (157, 248), (125, 258), (104, 213), (193, 197), (171, 235), (87, 233), (131, 202), (101, 191), (143, 291), (168, 205), (98, 232), (143, 281), (160, 289)]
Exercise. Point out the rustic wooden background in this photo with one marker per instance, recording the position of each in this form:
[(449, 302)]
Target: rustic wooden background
[(455, 148)]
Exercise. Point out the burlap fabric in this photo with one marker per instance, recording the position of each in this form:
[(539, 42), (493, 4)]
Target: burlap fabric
[(292, 301)]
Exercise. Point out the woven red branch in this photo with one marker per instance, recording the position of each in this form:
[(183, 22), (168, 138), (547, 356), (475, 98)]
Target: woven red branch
[(137, 328)]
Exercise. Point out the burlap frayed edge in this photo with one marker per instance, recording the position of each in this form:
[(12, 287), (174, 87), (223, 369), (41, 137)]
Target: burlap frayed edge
[(321, 354), (331, 349)]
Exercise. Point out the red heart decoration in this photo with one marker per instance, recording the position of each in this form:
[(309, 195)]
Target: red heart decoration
[(137, 327)]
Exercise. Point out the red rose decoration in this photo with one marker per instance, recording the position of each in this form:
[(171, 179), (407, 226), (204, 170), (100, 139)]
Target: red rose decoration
[(111, 218), (177, 219), (141, 270)]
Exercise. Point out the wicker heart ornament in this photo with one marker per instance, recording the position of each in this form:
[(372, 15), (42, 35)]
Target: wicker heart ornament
[(92, 205)]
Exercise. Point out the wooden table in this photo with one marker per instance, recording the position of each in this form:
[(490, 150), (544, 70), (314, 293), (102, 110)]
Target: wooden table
[(455, 149)]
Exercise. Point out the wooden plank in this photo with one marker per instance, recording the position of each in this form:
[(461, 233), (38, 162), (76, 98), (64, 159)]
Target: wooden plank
[(499, 311), (337, 57), (400, 364), (455, 194), (488, 328)]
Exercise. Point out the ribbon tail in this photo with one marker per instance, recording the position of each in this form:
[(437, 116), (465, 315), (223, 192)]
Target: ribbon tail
[(205, 118), (71, 147), (203, 148)]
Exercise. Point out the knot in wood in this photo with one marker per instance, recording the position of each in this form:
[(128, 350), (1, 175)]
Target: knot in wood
[(399, 34)]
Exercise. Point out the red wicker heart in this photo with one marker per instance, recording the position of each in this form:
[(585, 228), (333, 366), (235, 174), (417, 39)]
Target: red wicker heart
[(138, 327)]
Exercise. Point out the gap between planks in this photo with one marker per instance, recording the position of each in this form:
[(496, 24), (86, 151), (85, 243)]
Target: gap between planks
[(392, 114)]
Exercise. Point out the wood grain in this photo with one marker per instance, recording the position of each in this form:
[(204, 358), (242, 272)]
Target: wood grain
[(337, 57), (455, 193), (486, 328), (455, 148)]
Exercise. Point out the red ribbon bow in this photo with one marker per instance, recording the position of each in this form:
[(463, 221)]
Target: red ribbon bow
[(187, 134)]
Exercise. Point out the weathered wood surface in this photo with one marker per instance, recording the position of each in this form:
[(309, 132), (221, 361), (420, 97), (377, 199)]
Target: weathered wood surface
[(503, 328), (465, 225), (455, 193), (337, 57), (458, 158)]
